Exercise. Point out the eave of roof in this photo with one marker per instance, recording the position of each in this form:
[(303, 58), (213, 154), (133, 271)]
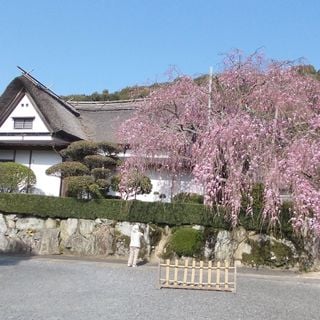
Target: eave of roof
[(34, 143)]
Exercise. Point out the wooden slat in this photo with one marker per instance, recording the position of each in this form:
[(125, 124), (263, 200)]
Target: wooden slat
[(201, 274), (193, 271), (209, 273), (167, 271), (159, 275), (185, 272), (218, 276), (198, 288), (175, 281), (226, 275), (234, 278)]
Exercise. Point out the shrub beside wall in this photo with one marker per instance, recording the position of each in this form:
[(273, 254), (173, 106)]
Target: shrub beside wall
[(186, 242)]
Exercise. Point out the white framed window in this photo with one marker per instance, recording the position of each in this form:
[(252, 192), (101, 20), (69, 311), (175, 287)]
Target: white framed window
[(23, 123)]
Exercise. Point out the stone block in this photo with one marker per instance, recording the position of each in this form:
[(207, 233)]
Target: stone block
[(86, 227), (49, 241), (79, 245), (30, 223), (124, 228), (50, 223), (68, 228), (3, 224), (241, 249), (104, 240), (26, 241), (11, 220), (4, 243), (223, 249)]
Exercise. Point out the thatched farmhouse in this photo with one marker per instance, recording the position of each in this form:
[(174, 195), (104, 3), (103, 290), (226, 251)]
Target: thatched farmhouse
[(35, 123)]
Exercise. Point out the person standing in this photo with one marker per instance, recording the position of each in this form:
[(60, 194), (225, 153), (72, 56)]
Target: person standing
[(135, 244)]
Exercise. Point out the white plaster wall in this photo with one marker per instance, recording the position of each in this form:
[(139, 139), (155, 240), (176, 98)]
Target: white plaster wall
[(24, 111), (185, 183), (40, 161), (162, 183)]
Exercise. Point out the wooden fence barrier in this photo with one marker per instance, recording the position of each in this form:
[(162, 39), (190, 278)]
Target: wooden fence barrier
[(197, 275)]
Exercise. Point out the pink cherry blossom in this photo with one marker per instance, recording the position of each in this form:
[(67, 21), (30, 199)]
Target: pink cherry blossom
[(263, 126)]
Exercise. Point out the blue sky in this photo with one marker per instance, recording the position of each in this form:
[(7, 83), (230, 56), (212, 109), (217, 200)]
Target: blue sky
[(84, 46)]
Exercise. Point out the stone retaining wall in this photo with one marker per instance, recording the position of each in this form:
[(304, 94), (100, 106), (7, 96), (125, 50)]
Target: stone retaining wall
[(20, 234), (103, 237)]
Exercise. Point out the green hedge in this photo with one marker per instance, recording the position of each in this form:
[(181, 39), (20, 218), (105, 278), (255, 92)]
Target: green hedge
[(173, 214), (188, 197), (138, 211)]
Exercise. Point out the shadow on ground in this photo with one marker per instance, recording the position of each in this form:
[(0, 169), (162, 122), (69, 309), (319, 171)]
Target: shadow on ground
[(7, 259)]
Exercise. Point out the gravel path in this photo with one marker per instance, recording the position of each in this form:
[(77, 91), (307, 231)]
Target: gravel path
[(52, 289)]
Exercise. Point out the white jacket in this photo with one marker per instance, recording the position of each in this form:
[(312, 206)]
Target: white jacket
[(135, 237)]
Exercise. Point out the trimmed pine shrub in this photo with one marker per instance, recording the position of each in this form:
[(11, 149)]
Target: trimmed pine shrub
[(186, 242)]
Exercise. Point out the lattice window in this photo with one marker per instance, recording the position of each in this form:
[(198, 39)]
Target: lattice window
[(23, 123)]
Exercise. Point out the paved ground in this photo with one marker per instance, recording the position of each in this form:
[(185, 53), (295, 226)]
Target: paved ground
[(52, 289)]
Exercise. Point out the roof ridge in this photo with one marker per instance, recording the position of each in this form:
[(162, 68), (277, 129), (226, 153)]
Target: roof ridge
[(101, 109), (44, 88), (105, 102)]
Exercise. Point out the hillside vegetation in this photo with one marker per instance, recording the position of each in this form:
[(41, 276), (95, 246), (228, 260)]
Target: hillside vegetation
[(138, 92)]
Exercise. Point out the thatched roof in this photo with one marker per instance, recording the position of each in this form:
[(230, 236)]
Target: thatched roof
[(101, 120), (96, 121), (60, 116)]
